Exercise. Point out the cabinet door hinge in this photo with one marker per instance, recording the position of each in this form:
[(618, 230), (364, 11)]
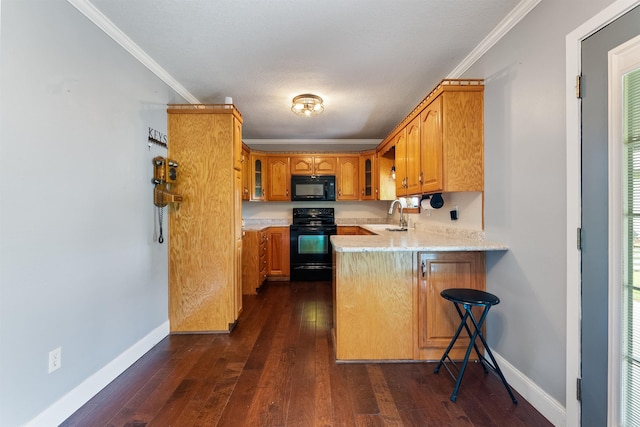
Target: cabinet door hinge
[(578, 86), (579, 238), (579, 389)]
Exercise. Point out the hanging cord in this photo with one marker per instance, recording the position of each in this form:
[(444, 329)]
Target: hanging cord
[(160, 214)]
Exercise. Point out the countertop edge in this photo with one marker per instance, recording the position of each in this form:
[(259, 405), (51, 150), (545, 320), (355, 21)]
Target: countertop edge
[(411, 240)]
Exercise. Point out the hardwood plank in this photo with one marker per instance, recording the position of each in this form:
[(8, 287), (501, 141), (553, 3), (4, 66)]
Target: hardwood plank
[(388, 408)]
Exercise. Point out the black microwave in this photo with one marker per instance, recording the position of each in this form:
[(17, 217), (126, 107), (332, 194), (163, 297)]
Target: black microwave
[(313, 188)]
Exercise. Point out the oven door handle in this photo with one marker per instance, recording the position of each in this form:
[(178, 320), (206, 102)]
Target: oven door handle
[(303, 230)]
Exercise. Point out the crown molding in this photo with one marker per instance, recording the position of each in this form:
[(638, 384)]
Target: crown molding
[(90, 11), (510, 21), (312, 141)]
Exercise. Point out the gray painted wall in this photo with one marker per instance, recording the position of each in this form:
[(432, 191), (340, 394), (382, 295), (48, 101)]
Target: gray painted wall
[(525, 185), (78, 264)]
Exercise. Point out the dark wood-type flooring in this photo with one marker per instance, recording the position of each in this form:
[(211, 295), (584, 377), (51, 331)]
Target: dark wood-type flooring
[(277, 368)]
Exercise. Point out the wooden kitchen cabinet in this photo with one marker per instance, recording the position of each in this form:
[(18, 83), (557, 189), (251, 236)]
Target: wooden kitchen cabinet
[(313, 165), (279, 178), (347, 183), (237, 145), (205, 231), (278, 256), (237, 232), (431, 146), (348, 230), (413, 157), (400, 143), (373, 305), (407, 159), (452, 144), (254, 261), (437, 318), (353, 230), (246, 173), (368, 176), (385, 163), (258, 176), (385, 308), (439, 146)]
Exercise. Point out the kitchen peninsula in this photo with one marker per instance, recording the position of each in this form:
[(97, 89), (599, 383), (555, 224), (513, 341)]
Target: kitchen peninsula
[(386, 290)]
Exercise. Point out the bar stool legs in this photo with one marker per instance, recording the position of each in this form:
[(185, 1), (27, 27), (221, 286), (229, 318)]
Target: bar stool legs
[(468, 298)]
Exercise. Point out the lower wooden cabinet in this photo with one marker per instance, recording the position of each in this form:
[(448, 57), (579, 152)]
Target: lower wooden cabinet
[(254, 261), (278, 253), (436, 317), (348, 230), (353, 230), (387, 305)]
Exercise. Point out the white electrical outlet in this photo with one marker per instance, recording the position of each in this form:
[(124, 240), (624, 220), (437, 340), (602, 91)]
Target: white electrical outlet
[(55, 359)]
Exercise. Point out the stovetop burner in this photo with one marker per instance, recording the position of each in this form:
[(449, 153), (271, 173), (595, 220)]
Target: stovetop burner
[(313, 216)]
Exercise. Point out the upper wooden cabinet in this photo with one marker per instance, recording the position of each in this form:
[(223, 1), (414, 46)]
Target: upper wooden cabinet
[(279, 178), (460, 137), (385, 167), (347, 185), (258, 176), (400, 142), (368, 176), (431, 146), (246, 173), (408, 159), (313, 165), (439, 146)]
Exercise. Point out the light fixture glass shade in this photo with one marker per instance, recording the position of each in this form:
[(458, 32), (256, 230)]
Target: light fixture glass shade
[(307, 105)]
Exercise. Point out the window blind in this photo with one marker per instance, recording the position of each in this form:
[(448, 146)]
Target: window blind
[(631, 286)]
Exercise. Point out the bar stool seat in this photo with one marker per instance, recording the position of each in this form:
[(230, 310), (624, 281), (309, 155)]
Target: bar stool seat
[(468, 298)]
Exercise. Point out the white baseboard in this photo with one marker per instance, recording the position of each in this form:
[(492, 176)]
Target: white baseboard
[(72, 401), (550, 408)]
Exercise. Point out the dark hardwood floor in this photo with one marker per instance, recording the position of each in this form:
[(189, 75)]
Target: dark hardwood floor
[(277, 369)]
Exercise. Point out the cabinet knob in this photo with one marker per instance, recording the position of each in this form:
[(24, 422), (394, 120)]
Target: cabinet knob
[(424, 268)]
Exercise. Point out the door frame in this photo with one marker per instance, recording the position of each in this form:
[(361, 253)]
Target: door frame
[(574, 199)]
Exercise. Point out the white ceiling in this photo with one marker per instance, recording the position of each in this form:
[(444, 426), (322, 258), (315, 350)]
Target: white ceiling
[(371, 61)]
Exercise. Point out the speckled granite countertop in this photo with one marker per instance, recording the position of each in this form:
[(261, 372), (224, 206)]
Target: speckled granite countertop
[(413, 240)]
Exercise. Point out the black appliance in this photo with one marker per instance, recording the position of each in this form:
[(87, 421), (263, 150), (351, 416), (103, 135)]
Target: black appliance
[(312, 188), (311, 257)]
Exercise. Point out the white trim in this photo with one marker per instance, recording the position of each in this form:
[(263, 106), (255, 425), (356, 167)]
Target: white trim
[(64, 407), (574, 200), (90, 11), (549, 407), (515, 16), (622, 60)]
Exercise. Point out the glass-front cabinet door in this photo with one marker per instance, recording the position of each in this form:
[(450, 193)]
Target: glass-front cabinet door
[(258, 176), (368, 189)]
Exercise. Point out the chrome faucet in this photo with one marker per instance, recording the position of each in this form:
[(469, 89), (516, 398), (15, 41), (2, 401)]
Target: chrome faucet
[(403, 223)]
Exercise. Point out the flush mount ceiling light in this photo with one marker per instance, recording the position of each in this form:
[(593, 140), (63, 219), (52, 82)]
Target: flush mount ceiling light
[(307, 105)]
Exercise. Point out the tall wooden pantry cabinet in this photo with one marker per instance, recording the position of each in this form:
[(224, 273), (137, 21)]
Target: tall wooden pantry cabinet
[(205, 229)]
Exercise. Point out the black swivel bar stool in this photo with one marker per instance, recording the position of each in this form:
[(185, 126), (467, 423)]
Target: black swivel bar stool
[(468, 298)]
